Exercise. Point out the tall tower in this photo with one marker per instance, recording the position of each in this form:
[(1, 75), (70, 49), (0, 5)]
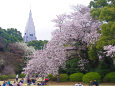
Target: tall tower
[(29, 33)]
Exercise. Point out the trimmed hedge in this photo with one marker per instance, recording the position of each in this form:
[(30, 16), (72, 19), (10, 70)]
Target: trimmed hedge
[(109, 77), (91, 76), (12, 76), (54, 78), (22, 75), (76, 77), (3, 77), (63, 77), (50, 76)]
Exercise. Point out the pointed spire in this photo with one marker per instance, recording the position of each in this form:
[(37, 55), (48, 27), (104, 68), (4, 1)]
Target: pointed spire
[(30, 13), (29, 34)]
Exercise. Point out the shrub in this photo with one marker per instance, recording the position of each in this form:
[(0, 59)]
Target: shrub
[(63, 77), (12, 76), (109, 77), (91, 76), (76, 77), (54, 78), (3, 77), (105, 66), (50, 76), (22, 75)]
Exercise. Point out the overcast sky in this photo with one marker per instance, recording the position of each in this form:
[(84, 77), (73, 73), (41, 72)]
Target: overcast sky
[(15, 13)]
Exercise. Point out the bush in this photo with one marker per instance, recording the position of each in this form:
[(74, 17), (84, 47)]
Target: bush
[(12, 76), (3, 77), (22, 75), (109, 77), (105, 66), (50, 76), (76, 77), (54, 78), (63, 77), (91, 76)]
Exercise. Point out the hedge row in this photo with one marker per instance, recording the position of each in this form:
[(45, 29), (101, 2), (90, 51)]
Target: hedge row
[(76, 77), (65, 77), (3, 77), (10, 76), (91, 76), (110, 77), (79, 77)]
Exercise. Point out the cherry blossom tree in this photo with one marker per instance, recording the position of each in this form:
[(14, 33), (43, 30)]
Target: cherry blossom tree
[(77, 26), (110, 50), (28, 50)]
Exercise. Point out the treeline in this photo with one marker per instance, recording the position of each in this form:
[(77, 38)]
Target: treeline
[(9, 36), (98, 61), (80, 77), (12, 56), (38, 45)]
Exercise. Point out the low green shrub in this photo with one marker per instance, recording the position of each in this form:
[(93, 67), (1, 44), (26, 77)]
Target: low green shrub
[(76, 77), (63, 77), (50, 76), (22, 75), (3, 77), (54, 78), (109, 77), (91, 76), (12, 76)]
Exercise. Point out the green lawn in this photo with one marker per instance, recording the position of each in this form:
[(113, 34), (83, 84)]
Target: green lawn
[(1, 82), (83, 85), (52, 83)]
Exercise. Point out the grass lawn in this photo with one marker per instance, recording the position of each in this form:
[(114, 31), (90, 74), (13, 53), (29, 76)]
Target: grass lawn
[(50, 83), (53, 83), (83, 85)]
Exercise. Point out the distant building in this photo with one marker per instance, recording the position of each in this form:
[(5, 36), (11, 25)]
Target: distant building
[(29, 34)]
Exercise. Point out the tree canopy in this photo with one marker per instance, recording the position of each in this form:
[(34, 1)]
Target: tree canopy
[(104, 10), (9, 36), (37, 44)]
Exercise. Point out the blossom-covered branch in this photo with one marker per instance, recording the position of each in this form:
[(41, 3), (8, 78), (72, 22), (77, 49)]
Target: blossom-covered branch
[(78, 26), (110, 50)]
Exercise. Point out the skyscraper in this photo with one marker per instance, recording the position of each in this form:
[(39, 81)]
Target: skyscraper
[(29, 34)]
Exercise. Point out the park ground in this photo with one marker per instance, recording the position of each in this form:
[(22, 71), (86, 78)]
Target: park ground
[(53, 83)]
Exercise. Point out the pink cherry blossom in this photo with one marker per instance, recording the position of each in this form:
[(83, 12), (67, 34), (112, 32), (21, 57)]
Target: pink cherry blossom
[(77, 26), (110, 50)]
